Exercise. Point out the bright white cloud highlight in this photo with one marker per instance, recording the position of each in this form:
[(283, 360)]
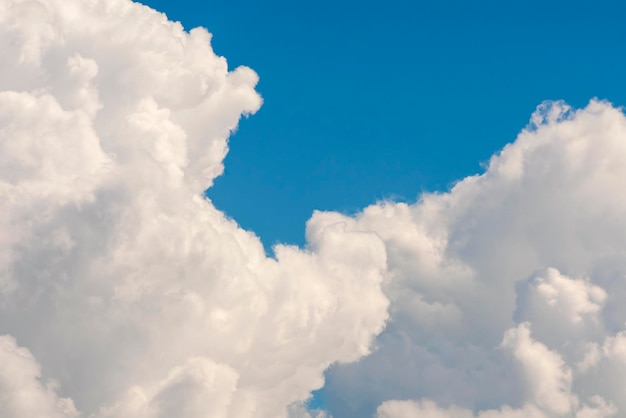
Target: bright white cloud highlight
[(574, 298), (121, 282), (548, 380)]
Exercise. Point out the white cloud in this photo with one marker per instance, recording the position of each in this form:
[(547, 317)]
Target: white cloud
[(574, 298), (22, 393), (538, 239), (128, 287), (200, 388), (615, 347), (132, 295), (422, 409), (428, 409), (547, 385), (548, 379)]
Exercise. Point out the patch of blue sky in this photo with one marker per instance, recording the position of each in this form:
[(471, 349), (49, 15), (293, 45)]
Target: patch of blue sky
[(365, 101)]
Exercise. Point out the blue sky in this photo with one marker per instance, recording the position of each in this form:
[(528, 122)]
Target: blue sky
[(370, 100)]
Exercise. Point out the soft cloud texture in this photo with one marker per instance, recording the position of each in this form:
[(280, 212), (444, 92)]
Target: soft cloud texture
[(122, 288), (506, 292), (21, 391), (125, 293)]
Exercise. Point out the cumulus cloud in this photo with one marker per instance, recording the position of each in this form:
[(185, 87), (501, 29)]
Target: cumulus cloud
[(22, 393), (548, 380), (506, 292), (575, 299), (125, 293), (129, 292)]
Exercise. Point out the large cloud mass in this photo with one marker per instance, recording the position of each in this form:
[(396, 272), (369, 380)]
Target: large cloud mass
[(125, 293), (507, 293)]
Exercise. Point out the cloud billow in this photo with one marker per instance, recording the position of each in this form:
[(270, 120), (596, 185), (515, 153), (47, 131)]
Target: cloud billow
[(506, 293), (125, 293)]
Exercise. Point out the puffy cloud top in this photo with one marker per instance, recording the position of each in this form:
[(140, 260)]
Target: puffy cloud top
[(123, 291), (506, 292)]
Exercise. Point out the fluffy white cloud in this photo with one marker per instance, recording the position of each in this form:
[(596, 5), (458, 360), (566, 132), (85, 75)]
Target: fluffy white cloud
[(536, 242), (573, 298), (22, 393), (548, 387), (130, 294), (548, 380), (131, 290)]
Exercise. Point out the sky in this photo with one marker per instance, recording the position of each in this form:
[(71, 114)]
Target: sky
[(359, 97), (312, 211)]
